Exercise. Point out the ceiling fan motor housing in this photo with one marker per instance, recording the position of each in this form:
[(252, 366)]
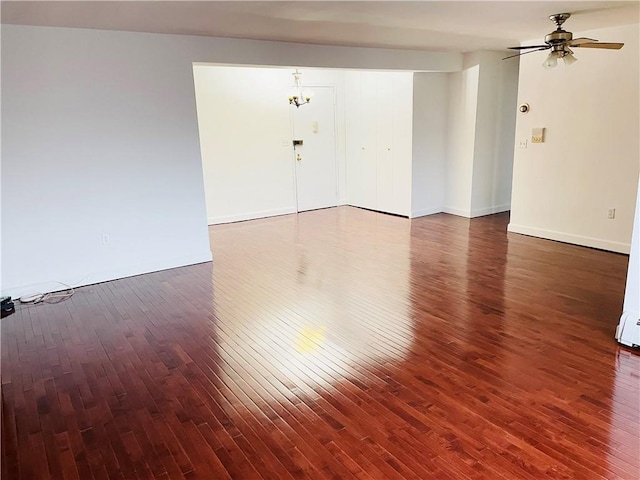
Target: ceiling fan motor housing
[(559, 37)]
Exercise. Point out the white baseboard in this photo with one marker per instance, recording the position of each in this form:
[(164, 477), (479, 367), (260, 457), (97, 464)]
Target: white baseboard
[(478, 212), (457, 211), (104, 276), (250, 216), (582, 240), (425, 211), (481, 212), (628, 331)]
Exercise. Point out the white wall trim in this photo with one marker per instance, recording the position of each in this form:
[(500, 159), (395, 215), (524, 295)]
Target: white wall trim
[(628, 331), (425, 211), (481, 212), (570, 238), (457, 211), (98, 277), (250, 216)]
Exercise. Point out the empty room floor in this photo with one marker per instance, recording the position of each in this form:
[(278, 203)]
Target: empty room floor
[(333, 344)]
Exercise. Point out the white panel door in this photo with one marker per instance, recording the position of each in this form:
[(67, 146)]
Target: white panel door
[(354, 139), (315, 160), (402, 148), (385, 157), (379, 140), (369, 129)]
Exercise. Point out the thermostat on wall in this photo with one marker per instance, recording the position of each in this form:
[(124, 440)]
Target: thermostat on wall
[(537, 135)]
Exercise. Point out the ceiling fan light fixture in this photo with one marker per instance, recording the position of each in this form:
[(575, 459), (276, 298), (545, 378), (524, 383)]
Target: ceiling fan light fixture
[(569, 59), (551, 61)]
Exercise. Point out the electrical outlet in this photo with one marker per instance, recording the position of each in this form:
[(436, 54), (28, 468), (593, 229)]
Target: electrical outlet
[(523, 143), (611, 214), (106, 239)]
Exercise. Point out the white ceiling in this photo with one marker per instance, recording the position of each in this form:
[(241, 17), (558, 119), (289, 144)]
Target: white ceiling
[(452, 26)]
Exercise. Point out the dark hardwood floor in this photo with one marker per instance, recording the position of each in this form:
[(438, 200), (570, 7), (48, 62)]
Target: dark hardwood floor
[(335, 344)]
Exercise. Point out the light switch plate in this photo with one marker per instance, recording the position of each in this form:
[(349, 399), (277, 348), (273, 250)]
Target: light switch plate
[(537, 135)]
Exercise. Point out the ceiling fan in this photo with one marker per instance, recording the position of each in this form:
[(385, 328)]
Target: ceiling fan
[(559, 42)]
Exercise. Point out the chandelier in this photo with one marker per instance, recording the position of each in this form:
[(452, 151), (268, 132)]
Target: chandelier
[(298, 96)]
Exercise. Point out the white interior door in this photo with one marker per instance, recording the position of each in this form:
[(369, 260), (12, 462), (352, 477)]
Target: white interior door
[(384, 159), (315, 159), (369, 149)]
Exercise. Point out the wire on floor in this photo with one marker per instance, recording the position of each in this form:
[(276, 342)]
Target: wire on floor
[(51, 297)]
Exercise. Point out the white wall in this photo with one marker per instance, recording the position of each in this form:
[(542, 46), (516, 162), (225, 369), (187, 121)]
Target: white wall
[(628, 331), (632, 291), (245, 139), (495, 130), (589, 162), (461, 130), (245, 135), (507, 107), (482, 102), (100, 136), (430, 116)]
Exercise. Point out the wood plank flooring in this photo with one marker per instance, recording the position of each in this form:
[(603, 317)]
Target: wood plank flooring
[(334, 344)]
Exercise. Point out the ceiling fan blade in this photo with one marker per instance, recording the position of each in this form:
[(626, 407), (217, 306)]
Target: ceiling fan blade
[(578, 41), (528, 46), (609, 46), (546, 47)]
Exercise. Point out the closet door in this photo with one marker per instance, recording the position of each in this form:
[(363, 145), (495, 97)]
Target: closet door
[(384, 137), (402, 148), (369, 140), (379, 116), (353, 140)]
